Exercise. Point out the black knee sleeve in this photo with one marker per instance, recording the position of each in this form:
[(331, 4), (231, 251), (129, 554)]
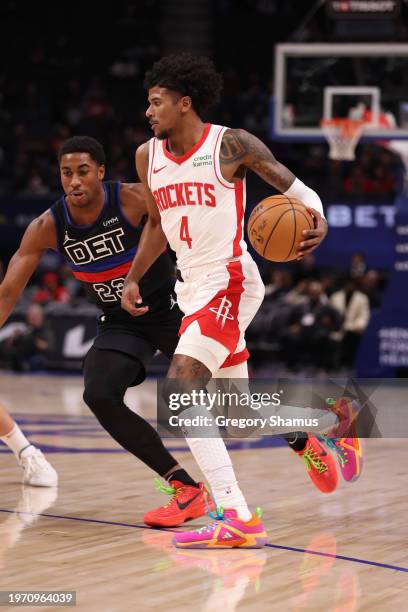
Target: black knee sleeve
[(107, 377)]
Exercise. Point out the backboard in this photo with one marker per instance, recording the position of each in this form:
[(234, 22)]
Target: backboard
[(316, 81)]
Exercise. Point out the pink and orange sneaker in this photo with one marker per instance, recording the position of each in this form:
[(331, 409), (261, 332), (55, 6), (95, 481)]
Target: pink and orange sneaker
[(347, 448), (347, 411), (227, 531), (349, 455), (320, 465), (186, 503)]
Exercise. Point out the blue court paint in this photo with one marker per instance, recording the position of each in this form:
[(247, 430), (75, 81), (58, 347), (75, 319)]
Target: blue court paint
[(275, 546), (75, 450), (82, 427), (86, 426)]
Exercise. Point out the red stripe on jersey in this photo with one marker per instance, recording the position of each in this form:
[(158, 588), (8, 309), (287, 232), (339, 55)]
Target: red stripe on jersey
[(95, 277), (236, 358), (151, 163), (219, 318), (239, 205), (187, 154), (220, 179)]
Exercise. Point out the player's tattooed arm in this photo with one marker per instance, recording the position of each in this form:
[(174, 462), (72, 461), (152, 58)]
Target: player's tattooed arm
[(239, 149)]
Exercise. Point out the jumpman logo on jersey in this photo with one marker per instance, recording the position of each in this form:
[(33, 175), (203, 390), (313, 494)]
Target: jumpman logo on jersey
[(223, 311), (173, 302), (66, 237)]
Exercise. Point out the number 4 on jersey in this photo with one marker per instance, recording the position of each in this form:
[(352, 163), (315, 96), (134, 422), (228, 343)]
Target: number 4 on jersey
[(184, 235)]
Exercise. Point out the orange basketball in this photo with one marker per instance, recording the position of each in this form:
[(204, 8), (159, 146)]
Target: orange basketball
[(275, 227)]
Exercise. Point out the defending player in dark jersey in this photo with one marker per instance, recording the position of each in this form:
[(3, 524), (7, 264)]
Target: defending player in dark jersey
[(97, 226)]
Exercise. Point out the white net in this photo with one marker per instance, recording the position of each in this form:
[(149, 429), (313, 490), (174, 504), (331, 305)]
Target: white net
[(342, 136)]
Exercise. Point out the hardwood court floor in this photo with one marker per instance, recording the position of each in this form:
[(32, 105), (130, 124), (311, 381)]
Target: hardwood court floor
[(341, 552)]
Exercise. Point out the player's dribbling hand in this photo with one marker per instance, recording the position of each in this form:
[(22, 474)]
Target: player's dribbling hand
[(312, 238), (132, 300)]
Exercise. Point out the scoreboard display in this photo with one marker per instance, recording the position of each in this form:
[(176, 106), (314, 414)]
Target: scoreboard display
[(366, 9)]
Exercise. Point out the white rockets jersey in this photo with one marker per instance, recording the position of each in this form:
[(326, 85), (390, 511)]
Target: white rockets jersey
[(202, 214)]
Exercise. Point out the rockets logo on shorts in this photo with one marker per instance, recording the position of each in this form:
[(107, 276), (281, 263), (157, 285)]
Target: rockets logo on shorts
[(223, 311)]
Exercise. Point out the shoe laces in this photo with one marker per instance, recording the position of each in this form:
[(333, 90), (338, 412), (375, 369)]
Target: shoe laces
[(219, 516), (36, 459), (312, 459), (334, 445), (168, 491)]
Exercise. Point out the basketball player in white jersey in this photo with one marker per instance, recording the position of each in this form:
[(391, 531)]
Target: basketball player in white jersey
[(37, 471), (194, 175)]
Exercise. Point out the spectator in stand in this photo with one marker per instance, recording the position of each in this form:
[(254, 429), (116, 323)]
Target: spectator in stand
[(371, 285), (71, 284), (27, 350), (354, 184), (354, 308), (51, 290), (358, 265), (382, 185), (308, 337), (306, 269), (281, 282), (298, 294), (329, 283)]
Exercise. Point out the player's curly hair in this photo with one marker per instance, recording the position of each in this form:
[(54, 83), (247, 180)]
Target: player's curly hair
[(189, 75), (83, 144)]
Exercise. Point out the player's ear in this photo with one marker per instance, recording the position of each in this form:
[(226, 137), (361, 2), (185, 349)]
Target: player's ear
[(101, 172), (186, 104)]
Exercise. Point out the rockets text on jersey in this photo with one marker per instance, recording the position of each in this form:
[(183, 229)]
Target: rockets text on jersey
[(202, 214)]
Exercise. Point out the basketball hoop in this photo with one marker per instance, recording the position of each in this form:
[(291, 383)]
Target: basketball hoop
[(342, 134)]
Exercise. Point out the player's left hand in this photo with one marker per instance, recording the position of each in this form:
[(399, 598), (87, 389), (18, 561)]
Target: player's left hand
[(132, 300), (312, 238)]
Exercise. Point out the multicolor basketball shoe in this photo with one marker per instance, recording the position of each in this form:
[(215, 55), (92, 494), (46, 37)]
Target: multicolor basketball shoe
[(347, 411), (227, 531), (186, 503), (349, 455), (320, 465), (235, 571), (348, 449)]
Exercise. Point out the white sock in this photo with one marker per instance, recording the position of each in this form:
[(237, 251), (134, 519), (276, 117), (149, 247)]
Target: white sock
[(214, 461), (17, 442)]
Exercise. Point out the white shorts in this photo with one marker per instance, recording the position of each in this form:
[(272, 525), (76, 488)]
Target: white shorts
[(219, 302)]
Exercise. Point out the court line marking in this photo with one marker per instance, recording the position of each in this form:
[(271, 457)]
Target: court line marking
[(231, 444), (342, 557), (277, 546)]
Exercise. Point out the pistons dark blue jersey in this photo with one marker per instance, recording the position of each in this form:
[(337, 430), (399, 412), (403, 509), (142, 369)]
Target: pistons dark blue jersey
[(100, 254)]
